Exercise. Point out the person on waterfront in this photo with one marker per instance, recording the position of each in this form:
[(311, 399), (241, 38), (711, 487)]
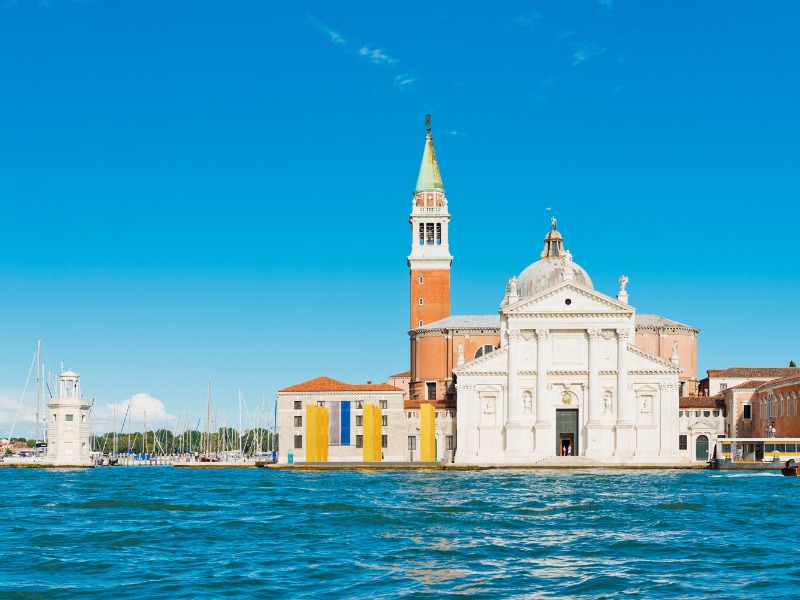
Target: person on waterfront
[(569, 450)]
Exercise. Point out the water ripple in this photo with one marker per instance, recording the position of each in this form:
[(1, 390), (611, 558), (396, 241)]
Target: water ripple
[(183, 533)]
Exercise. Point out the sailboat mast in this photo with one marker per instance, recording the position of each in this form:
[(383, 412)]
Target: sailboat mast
[(129, 429), (208, 421), (274, 426), (38, 383)]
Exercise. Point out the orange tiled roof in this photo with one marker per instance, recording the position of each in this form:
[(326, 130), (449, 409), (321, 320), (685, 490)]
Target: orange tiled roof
[(755, 372), (778, 380), (752, 384), (701, 402), (398, 375), (326, 384)]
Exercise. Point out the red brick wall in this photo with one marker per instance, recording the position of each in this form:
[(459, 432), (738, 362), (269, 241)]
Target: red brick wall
[(435, 293)]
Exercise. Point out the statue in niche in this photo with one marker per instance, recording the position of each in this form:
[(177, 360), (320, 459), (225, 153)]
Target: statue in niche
[(460, 355), (488, 405), (527, 404), (645, 405), (607, 402)]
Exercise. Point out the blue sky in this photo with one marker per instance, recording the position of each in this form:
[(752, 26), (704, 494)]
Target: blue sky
[(209, 189)]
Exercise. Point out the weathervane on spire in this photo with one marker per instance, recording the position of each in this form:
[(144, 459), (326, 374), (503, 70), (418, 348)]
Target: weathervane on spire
[(428, 122)]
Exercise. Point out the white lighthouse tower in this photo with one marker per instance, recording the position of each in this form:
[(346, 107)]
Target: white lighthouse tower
[(68, 431)]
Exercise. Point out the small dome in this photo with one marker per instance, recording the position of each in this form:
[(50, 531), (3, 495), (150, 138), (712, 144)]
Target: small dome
[(554, 267)]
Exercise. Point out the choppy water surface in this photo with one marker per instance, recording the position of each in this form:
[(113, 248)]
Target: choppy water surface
[(160, 532)]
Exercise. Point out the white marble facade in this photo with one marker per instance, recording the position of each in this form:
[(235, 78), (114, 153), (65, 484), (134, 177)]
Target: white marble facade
[(567, 377)]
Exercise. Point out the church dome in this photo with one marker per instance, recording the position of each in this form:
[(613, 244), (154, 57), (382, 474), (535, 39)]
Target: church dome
[(555, 265)]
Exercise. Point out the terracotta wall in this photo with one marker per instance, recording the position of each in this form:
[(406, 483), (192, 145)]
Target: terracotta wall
[(660, 344), (435, 293), (433, 358)]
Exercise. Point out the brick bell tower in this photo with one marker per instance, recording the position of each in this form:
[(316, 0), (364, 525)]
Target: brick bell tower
[(430, 260)]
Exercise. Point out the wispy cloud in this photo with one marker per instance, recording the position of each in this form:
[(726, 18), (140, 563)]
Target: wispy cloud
[(583, 51), (526, 20), (606, 6), (404, 80), (333, 36), (620, 88), (375, 55), (565, 34), (539, 94), (13, 3)]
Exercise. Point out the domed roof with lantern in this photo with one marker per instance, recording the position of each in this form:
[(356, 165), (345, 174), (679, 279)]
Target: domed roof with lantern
[(554, 266)]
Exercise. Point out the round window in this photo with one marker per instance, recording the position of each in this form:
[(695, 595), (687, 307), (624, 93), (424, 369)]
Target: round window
[(567, 301)]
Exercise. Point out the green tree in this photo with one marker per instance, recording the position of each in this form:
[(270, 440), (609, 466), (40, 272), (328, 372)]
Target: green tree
[(30, 444), (791, 363)]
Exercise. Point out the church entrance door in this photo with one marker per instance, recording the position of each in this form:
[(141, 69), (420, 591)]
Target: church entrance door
[(567, 432)]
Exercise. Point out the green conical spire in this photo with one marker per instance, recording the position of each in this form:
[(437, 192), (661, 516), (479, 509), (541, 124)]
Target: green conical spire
[(429, 176)]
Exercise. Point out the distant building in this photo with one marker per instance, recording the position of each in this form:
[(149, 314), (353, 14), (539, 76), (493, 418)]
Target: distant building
[(701, 421), (719, 380), (776, 407), (401, 381), (68, 425), (345, 402), (759, 401)]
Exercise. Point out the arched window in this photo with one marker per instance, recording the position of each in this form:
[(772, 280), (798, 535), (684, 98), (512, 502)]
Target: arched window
[(794, 397), (484, 350)]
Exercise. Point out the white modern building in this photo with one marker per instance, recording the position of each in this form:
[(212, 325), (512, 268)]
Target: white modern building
[(345, 403)]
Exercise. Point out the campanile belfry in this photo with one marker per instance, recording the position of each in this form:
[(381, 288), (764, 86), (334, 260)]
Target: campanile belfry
[(430, 260)]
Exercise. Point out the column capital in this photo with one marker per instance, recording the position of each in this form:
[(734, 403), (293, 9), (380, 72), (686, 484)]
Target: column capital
[(593, 333), (512, 335), (622, 334), (541, 334)]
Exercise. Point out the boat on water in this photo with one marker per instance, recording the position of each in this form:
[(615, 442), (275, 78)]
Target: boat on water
[(790, 469)]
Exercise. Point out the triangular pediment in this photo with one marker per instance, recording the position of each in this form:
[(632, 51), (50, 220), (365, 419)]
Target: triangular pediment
[(494, 362), (701, 426), (568, 297), (641, 360)]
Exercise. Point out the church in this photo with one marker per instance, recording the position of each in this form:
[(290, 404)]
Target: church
[(559, 369)]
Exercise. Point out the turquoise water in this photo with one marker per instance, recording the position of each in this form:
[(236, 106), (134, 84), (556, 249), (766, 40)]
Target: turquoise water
[(160, 532)]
